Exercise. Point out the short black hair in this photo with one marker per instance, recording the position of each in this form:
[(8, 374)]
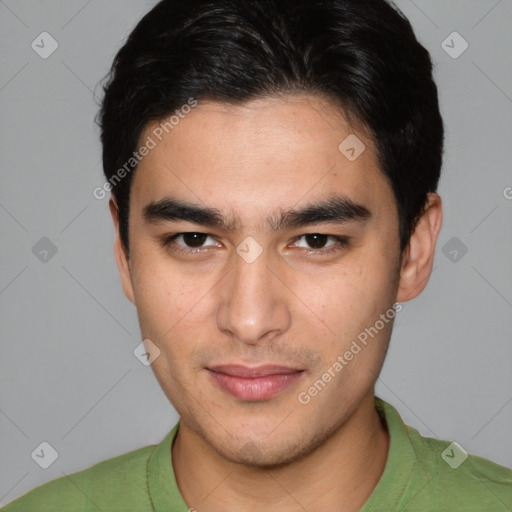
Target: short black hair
[(362, 55)]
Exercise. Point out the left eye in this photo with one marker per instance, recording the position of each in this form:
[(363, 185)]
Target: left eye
[(317, 241)]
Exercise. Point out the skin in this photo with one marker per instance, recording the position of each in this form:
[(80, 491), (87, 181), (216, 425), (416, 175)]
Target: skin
[(289, 306)]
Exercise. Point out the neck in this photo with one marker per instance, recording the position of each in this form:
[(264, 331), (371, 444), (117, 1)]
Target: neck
[(339, 475)]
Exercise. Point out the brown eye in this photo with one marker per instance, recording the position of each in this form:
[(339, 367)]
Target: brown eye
[(316, 241), (194, 239), (191, 242)]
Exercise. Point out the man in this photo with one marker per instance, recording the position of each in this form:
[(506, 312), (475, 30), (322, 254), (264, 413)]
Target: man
[(273, 167)]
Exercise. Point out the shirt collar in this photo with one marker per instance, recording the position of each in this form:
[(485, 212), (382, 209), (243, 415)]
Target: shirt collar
[(400, 462), (163, 489)]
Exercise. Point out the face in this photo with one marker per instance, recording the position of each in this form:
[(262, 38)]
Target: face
[(259, 253)]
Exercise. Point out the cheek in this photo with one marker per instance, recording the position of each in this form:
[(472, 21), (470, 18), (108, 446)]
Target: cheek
[(168, 306), (351, 297), (163, 296)]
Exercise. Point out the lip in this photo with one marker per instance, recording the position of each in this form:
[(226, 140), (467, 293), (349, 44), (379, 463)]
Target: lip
[(254, 383), (240, 370)]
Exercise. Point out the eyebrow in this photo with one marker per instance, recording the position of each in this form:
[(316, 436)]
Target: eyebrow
[(336, 209)]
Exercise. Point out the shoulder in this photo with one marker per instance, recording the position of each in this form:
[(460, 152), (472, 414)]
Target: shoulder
[(118, 483), (451, 473), (425, 473)]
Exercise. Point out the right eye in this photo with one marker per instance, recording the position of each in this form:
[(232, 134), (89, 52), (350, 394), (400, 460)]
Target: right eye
[(192, 242)]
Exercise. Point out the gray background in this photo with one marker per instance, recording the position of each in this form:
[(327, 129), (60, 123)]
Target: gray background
[(68, 373)]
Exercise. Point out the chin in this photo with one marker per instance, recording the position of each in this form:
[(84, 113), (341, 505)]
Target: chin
[(260, 453), (266, 458)]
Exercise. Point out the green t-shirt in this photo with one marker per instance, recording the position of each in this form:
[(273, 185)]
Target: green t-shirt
[(421, 474)]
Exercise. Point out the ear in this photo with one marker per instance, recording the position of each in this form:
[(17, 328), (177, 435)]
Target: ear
[(418, 257), (122, 259)]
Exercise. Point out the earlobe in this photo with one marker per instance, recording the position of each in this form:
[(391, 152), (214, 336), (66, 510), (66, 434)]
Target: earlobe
[(418, 258), (122, 259)]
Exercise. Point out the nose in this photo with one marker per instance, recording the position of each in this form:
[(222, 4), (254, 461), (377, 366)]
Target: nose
[(253, 302)]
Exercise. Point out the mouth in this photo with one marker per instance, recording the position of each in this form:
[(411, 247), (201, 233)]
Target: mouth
[(254, 383)]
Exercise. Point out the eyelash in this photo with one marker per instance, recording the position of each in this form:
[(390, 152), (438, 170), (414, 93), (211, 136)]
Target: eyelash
[(341, 243)]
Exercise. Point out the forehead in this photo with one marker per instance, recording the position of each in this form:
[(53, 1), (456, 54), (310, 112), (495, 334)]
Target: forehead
[(259, 156)]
